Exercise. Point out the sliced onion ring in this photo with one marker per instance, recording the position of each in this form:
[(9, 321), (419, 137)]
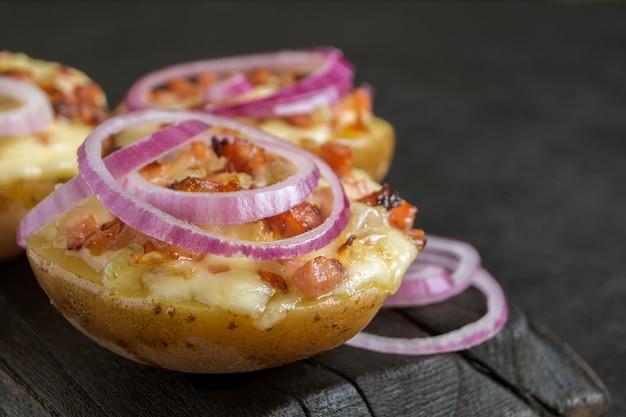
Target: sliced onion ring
[(228, 88), (463, 338), (444, 268), (330, 79), (232, 207), (33, 115), (158, 224)]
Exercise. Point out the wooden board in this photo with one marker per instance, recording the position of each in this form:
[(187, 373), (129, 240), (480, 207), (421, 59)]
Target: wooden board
[(47, 368)]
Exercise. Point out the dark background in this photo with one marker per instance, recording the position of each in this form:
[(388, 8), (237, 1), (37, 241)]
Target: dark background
[(510, 118)]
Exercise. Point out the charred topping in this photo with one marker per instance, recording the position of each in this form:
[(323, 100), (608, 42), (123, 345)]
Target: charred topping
[(385, 197)]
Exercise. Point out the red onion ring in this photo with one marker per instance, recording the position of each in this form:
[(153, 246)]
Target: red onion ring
[(444, 268), (463, 338), (33, 115), (161, 225), (230, 87), (234, 207), (330, 79)]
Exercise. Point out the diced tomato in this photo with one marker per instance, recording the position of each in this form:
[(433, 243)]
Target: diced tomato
[(319, 276)]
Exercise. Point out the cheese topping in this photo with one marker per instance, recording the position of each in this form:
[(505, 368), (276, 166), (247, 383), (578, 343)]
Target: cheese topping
[(372, 251)]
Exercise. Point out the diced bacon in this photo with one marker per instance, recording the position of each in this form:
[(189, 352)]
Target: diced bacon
[(200, 150), (338, 157), (169, 251), (417, 236), (112, 235), (385, 197), (300, 120), (242, 155), (19, 74), (205, 79), (78, 232), (319, 276), (259, 76), (275, 280), (207, 184), (402, 216), (300, 218)]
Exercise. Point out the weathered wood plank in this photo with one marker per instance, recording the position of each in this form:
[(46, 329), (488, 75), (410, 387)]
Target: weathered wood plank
[(48, 368)]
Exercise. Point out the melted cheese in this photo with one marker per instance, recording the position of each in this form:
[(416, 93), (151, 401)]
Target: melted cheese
[(49, 154), (378, 257), (319, 133)]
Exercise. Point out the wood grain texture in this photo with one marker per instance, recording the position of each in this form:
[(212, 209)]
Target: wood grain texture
[(49, 368)]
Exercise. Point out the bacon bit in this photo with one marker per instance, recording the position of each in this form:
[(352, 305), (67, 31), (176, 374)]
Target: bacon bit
[(82, 104), (402, 216), (208, 184), (348, 243), (400, 213), (241, 155), (259, 76), (275, 280), (155, 170), (417, 236), (300, 218), (78, 233), (19, 74), (169, 251), (181, 87), (205, 79), (319, 276), (110, 236), (300, 120), (200, 150), (218, 268), (362, 101), (43, 137), (386, 197), (338, 157)]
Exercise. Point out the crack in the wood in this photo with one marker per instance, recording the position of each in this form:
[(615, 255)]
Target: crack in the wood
[(347, 378)]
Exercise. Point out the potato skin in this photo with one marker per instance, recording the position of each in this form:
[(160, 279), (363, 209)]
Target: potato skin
[(198, 338), (372, 151), (16, 200)]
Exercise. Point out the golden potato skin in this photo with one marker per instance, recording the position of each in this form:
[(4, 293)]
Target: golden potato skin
[(16, 200), (198, 338), (372, 151)]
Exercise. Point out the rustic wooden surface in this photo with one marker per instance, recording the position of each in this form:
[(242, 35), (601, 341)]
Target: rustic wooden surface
[(511, 136), (49, 368)]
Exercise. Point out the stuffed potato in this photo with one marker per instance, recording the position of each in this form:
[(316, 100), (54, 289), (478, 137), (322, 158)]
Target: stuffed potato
[(242, 294), (37, 154)]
